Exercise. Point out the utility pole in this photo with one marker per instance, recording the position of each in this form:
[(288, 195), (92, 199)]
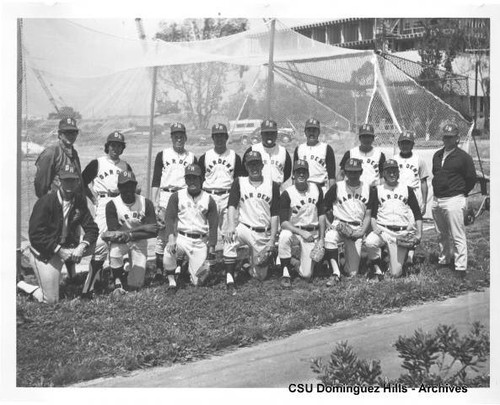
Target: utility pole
[(270, 71), (19, 132)]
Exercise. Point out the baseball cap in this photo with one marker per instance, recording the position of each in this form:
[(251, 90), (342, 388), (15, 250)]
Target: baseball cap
[(177, 127), (126, 176), (219, 129), (300, 164), (68, 172), (192, 170), (253, 155), (268, 126), (116, 137), (407, 136), (450, 130), (353, 165), (390, 163), (366, 129), (68, 124), (312, 123)]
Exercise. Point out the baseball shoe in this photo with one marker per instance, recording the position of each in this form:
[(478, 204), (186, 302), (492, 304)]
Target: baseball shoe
[(231, 289), (333, 280), (159, 278), (172, 289), (286, 282), (87, 296)]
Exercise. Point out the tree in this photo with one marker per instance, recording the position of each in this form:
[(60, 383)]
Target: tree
[(202, 84)]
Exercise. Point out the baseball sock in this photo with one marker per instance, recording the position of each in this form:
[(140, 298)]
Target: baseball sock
[(171, 278), (377, 263), (285, 265), (71, 268), (94, 268), (229, 266), (159, 263), (119, 276), (332, 257)]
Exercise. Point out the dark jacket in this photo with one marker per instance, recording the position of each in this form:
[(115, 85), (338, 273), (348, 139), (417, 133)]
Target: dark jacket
[(46, 224), (456, 177)]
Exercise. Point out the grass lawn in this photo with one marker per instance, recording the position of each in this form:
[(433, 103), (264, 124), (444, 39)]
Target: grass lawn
[(78, 340)]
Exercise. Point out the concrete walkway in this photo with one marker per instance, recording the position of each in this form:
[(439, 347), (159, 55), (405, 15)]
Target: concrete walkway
[(282, 362)]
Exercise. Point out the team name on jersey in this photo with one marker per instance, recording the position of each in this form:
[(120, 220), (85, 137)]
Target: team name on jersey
[(350, 196), (175, 161), (260, 196), (373, 163), (393, 196), (134, 215), (317, 159), (409, 166), (107, 173), (219, 162), (310, 200), (274, 162)]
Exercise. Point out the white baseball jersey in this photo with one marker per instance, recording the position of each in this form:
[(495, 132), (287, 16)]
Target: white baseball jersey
[(173, 168), (411, 171), (219, 169), (106, 179), (316, 158), (303, 206), (393, 208), (371, 171), (130, 216), (351, 203), (274, 160), (255, 202), (193, 212)]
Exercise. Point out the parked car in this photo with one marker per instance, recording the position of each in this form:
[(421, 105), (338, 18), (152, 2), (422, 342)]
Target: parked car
[(285, 136), (242, 131)]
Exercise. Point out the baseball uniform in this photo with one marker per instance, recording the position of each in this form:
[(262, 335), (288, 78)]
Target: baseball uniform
[(321, 160), (373, 162)]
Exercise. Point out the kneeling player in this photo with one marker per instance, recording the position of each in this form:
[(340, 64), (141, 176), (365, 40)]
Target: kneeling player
[(302, 218)]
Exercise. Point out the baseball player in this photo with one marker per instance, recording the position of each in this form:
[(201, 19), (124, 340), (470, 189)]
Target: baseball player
[(191, 219), (168, 177), (454, 178), (372, 157), (349, 203), (276, 159), (302, 218), (103, 174), (390, 219), (318, 155), (219, 166), (54, 233), (134, 217), (256, 200), (413, 172)]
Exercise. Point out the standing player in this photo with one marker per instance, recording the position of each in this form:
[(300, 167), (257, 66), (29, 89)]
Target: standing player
[(318, 155), (191, 219), (391, 219), (54, 233), (257, 200), (168, 177), (349, 203), (277, 164), (103, 174), (413, 172), (132, 216), (301, 216), (219, 166), (372, 157)]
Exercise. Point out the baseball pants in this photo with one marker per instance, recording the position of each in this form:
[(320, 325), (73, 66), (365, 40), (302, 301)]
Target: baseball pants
[(256, 241), (161, 239), (196, 251), (352, 249), (448, 214), (397, 254), (285, 242), (221, 201), (137, 252), (101, 247)]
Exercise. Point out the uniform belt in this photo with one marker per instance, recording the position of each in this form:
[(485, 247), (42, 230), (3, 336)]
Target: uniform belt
[(192, 235), (395, 228), (217, 192), (170, 189), (108, 194), (259, 229), (307, 228), (354, 223)]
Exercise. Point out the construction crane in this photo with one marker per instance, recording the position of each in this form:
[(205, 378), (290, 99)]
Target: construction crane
[(46, 90)]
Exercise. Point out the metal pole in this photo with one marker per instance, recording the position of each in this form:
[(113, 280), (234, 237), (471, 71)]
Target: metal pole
[(151, 132), (19, 132), (270, 72), (475, 95)]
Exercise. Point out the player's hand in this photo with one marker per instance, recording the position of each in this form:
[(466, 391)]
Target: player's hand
[(307, 236), (229, 235), (78, 252), (65, 254), (150, 227)]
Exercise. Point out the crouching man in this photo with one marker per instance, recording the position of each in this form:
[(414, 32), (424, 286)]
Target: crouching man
[(191, 228), (131, 220), (54, 233), (391, 220), (302, 218)]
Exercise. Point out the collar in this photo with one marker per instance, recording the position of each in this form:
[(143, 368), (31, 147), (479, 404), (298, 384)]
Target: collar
[(61, 200)]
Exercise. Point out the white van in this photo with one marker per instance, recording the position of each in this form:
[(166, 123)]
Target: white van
[(241, 131)]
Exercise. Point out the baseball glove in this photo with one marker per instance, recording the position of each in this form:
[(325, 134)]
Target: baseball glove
[(264, 256), (408, 241), (344, 230), (115, 236), (318, 252)]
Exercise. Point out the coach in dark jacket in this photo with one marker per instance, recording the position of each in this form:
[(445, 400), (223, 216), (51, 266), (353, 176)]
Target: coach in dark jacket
[(454, 177)]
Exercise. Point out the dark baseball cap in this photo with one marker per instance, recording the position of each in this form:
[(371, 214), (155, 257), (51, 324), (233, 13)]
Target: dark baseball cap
[(312, 123), (68, 124), (366, 129), (219, 129), (177, 127), (253, 155), (353, 165), (407, 136), (300, 164), (450, 130), (192, 170), (391, 163), (268, 126), (68, 172), (126, 176), (116, 137)]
